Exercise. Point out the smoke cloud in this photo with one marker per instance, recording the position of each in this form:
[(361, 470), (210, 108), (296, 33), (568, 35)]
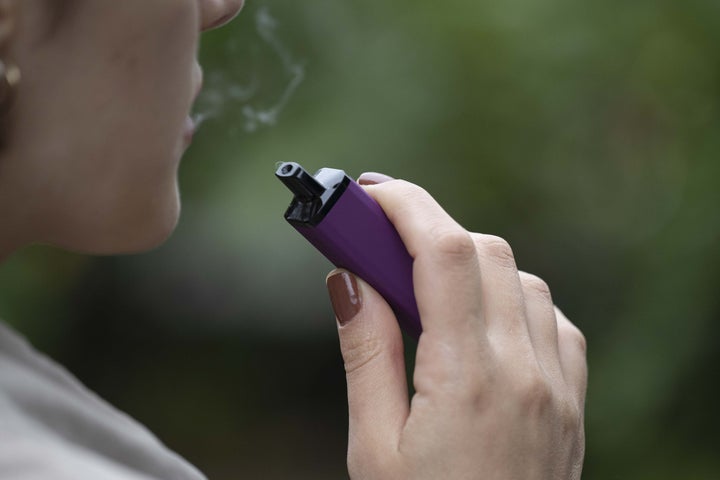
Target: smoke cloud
[(222, 94)]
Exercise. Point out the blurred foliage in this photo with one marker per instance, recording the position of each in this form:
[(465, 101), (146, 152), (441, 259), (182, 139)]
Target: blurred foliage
[(586, 133)]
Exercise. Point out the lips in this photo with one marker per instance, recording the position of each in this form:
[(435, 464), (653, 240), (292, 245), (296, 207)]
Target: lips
[(188, 131), (197, 80), (190, 126)]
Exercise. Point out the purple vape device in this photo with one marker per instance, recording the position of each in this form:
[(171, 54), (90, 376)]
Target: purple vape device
[(342, 221)]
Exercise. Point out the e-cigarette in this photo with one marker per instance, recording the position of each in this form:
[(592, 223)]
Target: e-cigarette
[(346, 225)]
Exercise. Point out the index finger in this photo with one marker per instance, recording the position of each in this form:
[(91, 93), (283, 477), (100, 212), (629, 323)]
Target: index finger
[(446, 273)]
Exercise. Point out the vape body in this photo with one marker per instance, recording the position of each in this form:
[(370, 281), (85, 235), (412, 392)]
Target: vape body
[(347, 226)]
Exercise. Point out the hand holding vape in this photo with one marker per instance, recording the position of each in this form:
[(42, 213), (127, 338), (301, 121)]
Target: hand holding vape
[(347, 226)]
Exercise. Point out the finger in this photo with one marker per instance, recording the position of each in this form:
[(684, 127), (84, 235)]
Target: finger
[(373, 178), (573, 350), (372, 349), (542, 324), (445, 269), (502, 293)]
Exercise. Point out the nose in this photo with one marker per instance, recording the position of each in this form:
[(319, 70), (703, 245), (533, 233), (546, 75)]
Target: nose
[(216, 13)]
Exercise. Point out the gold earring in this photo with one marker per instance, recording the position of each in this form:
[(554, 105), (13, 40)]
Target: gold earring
[(9, 72), (8, 19), (9, 80)]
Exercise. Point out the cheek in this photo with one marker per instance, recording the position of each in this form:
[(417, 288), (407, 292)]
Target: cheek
[(106, 104), (116, 79), (152, 77), (137, 95)]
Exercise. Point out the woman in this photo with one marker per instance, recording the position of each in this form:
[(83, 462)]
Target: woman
[(95, 96)]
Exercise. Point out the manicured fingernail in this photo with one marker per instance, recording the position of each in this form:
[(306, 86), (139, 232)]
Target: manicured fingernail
[(373, 178), (344, 295)]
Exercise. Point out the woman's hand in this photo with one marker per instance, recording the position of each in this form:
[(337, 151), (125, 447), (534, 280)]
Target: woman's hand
[(500, 373)]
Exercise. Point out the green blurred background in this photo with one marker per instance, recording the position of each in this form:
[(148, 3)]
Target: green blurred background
[(587, 133)]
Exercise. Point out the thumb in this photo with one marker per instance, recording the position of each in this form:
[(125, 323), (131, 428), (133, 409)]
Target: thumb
[(372, 349)]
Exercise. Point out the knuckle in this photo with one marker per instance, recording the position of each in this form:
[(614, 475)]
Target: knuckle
[(569, 333), (440, 367), (360, 352), (438, 364), (477, 397), (536, 395), (497, 249), (454, 243), (570, 418), (408, 191), (535, 284)]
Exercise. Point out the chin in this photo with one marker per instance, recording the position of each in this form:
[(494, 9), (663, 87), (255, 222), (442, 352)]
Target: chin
[(146, 239), (124, 233), (151, 232)]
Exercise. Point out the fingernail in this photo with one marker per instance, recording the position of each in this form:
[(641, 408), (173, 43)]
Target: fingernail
[(344, 295), (373, 178)]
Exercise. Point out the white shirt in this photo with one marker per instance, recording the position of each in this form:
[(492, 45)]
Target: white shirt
[(53, 428)]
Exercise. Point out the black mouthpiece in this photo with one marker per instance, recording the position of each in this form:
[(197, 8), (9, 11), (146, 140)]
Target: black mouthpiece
[(299, 181)]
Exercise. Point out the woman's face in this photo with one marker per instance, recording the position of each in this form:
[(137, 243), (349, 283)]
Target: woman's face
[(100, 121)]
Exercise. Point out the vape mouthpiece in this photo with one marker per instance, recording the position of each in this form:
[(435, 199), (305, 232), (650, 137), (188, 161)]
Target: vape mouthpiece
[(299, 181)]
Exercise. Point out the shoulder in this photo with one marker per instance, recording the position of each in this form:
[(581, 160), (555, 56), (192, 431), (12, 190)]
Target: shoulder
[(52, 426)]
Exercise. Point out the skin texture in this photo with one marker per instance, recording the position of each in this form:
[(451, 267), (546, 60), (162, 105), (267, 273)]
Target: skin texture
[(94, 139), (500, 374), (89, 160)]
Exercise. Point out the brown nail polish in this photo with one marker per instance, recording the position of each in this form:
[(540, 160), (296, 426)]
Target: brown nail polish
[(373, 178), (344, 295)]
